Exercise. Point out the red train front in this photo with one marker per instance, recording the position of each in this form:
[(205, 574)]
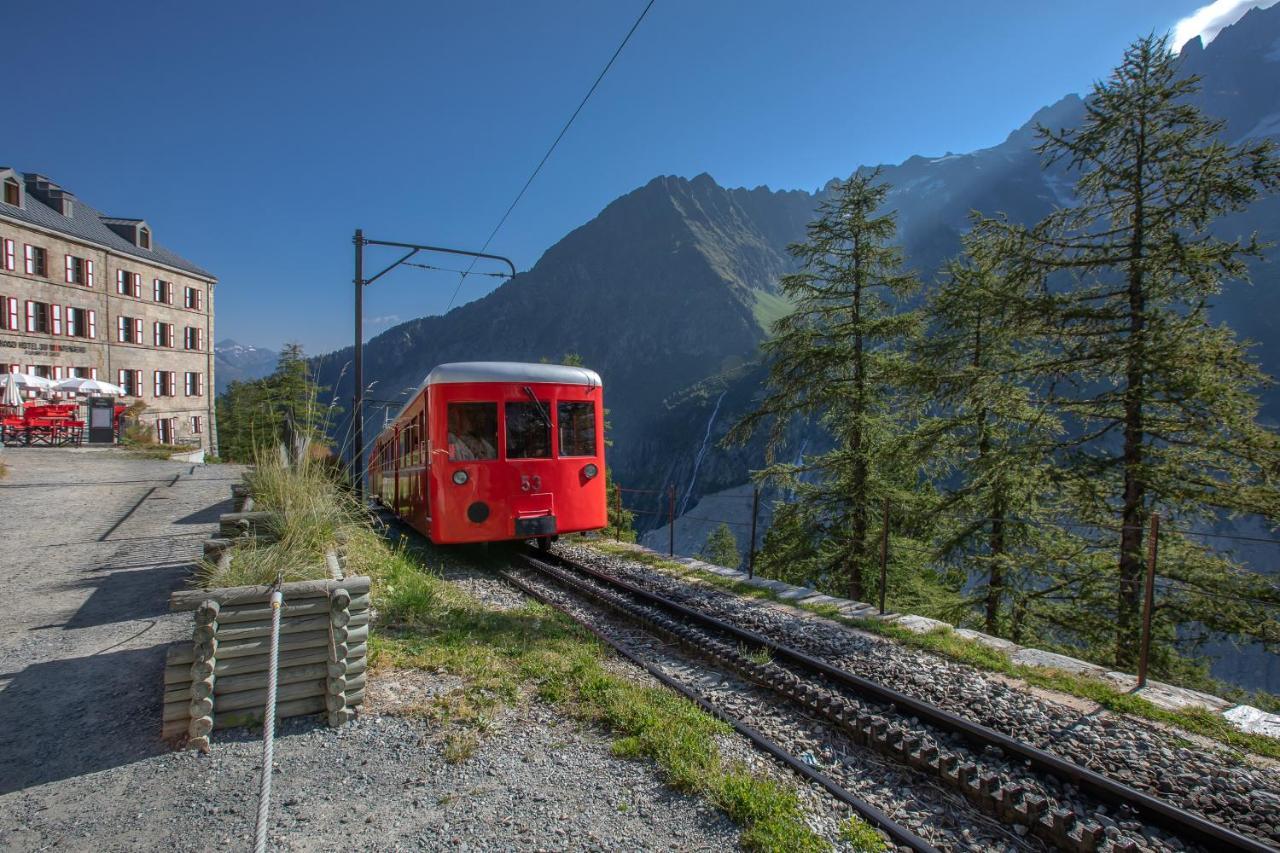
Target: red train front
[(489, 451)]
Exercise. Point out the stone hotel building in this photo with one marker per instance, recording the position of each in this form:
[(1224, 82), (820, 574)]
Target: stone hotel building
[(85, 294)]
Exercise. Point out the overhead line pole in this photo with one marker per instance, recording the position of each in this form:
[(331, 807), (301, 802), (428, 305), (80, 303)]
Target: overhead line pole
[(357, 365)]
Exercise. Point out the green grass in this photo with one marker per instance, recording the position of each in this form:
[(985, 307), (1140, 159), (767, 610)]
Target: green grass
[(506, 657), (947, 643), (768, 308)]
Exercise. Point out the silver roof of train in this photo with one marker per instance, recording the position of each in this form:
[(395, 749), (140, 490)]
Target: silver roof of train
[(511, 371)]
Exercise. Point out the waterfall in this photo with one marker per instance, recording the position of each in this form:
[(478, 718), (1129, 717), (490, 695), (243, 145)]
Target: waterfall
[(702, 451)]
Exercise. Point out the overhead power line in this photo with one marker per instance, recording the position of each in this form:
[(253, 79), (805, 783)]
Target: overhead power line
[(547, 156)]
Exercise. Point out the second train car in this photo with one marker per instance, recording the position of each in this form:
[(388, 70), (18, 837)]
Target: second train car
[(489, 451)]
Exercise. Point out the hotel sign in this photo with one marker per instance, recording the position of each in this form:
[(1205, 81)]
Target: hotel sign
[(39, 347)]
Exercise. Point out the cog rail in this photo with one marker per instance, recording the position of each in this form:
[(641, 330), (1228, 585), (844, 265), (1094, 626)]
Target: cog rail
[(1007, 801)]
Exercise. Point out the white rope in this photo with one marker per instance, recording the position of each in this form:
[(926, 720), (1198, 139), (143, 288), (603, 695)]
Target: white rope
[(269, 725)]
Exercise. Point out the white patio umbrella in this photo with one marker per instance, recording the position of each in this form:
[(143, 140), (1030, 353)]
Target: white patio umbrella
[(26, 381), (11, 396), (82, 385)]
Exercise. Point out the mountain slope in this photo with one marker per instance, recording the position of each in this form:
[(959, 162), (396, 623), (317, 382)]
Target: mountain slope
[(235, 362)]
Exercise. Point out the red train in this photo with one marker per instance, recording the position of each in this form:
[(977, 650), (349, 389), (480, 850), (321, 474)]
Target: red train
[(488, 451)]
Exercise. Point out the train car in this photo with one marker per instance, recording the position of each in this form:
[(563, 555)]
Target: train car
[(493, 451)]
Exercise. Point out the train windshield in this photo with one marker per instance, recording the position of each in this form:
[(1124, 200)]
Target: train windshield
[(577, 428), (473, 431), (528, 433)]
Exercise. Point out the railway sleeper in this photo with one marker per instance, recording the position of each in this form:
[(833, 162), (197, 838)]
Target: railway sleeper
[(1010, 804)]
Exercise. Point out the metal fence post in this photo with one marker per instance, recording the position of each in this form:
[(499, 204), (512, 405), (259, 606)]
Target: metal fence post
[(671, 518), (1149, 599), (884, 552), (755, 511)]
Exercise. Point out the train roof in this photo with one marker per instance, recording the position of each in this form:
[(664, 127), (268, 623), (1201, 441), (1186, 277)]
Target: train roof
[(512, 371)]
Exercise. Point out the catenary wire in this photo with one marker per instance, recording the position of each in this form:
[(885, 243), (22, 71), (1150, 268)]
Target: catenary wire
[(547, 156)]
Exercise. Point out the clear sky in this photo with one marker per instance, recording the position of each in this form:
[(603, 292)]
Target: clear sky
[(256, 137)]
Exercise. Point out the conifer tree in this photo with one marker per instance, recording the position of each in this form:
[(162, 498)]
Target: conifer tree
[(839, 358), (1161, 404), (986, 437), (721, 548), (251, 415)]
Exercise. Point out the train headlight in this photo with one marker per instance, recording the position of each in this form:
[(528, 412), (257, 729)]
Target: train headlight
[(460, 477), (590, 471)]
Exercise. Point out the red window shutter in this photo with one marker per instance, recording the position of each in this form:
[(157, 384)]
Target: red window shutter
[(13, 313), (57, 372), (137, 383), (8, 259), (56, 312), (173, 384), (93, 373), (120, 281), (31, 316), (199, 384), (120, 321), (137, 330), (120, 379), (137, 285), (70, 277), (30, 257), (156, 383), (155, 289), (72, 328), (88, 273), (155, 333), (93, 323)]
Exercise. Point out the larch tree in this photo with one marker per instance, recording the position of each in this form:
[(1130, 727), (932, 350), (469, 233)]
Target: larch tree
[(839, 358), (1160, 403)]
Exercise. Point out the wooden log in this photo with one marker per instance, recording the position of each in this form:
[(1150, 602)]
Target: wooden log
[(262, 612), (294, 625), (200, 727), (344, 667), (247, 506), (347, 619), (207, 612), (191, 599), (262, 645), (253, 716), (203, 633), (345, 683), (206, 649), (201, 706), (214, 547), (352, 636), (339, 599), (239, 519), (258, 698), (331, 561), (177, 674), (180, 710), (347, 701), (286, 675), (174, 729)]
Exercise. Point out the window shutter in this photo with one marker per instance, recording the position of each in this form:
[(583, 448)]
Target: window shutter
[(173, 384), (199, 384), (88, 273), (31, 316), (70, 277), (57, 372), (72, 329), (120, 332), (13, 313), (120, 379), (93, 373), (155, 333), (137, 285), (170, 341), (200, 339), (8, 254), (93, 324), (30, 257), (156, 383), (56, 312), (155, 287), (137, 330)]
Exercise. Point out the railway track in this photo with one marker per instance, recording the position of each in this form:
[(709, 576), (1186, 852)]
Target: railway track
[(1047, 800)]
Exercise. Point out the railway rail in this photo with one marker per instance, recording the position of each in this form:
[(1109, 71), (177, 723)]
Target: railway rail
[(1000, 776)]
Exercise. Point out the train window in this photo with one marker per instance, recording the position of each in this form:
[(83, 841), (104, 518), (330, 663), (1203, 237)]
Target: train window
[(577, 428), (528, 431), (473, 431)]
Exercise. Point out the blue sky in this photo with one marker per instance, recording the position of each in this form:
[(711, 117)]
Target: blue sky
[(256, 137)]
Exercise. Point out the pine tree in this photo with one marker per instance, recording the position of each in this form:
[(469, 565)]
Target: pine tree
[(721, 548), (986, 436), (1161, 404), (839, 358), (252, 415)]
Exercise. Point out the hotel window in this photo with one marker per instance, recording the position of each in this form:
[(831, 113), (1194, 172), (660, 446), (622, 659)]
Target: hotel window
[(164, 382), (194, 384), (162, 291), (82, 322), (39, 318), (193, 298), (193, 338), (129, 283), (166, 430), (79, 271), (129, 330), (197, 425), (162, 334), (37, 261), (12, 192), (130, 381), (8, 260), (9, 313)]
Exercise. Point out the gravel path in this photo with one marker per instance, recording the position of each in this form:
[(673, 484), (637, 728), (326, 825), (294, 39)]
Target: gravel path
[(97, 540), (1211, 780)]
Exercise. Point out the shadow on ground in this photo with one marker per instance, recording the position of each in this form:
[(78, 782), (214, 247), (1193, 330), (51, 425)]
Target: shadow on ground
[(79, 715)]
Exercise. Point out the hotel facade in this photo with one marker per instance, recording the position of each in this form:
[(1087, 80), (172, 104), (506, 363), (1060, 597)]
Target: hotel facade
[(85, 294)]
